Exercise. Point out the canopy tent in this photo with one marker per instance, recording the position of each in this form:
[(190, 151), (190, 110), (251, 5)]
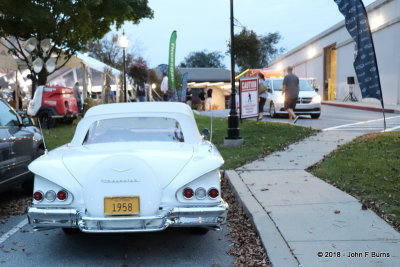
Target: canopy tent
[(268, 73), (7, 62), (11, 67), (88, 66), (79, 59)]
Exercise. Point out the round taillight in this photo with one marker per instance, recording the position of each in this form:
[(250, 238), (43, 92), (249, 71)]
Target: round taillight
[(62, 195), (38, 196), (50, 195), (188, 193), (200, 193), (213, 193)]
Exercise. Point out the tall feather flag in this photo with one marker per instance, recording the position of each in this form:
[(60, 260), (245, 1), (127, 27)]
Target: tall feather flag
[(365, 63), (171, 61)]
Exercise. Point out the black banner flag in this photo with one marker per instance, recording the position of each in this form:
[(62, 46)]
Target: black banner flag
[(365, 64)]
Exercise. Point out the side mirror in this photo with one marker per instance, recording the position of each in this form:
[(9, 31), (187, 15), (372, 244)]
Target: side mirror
[(205, 133), (316, 89), (269, 90), (27, 122)]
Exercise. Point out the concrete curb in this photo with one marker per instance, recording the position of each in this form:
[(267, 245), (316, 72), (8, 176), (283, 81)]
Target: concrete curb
[(368, 108), (277, 249)]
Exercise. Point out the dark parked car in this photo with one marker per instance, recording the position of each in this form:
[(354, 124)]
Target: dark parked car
[(20, 143)]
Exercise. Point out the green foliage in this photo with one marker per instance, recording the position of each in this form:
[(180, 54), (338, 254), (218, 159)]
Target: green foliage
[(261, 138), (107, 50), (203, 59), (253, 51), (269, 51), (368, 168), (178, 79), (70, 24), (139, 71)]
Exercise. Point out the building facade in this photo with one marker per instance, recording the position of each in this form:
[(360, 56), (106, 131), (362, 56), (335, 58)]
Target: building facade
[(327, 59)]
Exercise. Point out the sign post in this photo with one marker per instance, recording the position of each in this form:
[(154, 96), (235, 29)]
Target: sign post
[(248, 98)]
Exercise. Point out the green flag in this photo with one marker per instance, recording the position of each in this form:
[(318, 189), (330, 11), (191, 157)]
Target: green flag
[(171, 61)]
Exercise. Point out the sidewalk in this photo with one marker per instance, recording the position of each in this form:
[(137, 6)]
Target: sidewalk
[(304, 221), (370, 106)]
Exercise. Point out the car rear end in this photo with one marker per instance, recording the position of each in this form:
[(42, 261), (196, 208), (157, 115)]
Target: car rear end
[(61, 101), (126, 178)]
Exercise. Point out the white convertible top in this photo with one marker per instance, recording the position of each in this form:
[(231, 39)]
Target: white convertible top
[(140, 107), (179, 111)]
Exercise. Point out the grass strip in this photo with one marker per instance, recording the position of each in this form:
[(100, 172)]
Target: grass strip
[(369, 169), (260, 138)]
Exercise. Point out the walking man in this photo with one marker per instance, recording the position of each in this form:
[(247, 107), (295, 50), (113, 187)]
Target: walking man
[(164, 87), (77, 95), (290, 89)]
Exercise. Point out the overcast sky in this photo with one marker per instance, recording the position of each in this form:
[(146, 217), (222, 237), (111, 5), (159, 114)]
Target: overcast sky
[(204, 24)]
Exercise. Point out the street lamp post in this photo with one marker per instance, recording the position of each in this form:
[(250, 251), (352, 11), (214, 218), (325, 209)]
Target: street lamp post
[(233, 138), (123, 43)]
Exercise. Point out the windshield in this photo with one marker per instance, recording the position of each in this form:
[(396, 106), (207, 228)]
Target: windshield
[(304, 85), (134, 129)]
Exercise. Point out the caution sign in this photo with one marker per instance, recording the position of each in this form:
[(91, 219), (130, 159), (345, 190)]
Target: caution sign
[(248, 97)]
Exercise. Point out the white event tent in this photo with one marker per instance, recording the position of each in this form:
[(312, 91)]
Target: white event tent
[(84, 69)]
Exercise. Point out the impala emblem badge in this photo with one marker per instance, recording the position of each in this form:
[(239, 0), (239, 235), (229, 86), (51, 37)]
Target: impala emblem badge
[(114, 181), (121, 170)]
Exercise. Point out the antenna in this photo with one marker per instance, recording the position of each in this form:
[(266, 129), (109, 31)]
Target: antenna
[(211, 134), (44, 142)]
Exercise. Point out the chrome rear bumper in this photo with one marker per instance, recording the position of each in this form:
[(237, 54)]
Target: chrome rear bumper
[(212, 217)]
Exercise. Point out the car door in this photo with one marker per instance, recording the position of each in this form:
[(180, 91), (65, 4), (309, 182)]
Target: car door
[(20, 141), (6, 160)]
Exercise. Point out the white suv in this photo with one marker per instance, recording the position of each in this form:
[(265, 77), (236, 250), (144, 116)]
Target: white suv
[(308, 103)]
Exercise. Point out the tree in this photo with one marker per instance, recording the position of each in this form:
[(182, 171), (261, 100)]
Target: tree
[(139, 71), (253, 51), (203, 60), (68, 24), (107, 50), (269, 51)]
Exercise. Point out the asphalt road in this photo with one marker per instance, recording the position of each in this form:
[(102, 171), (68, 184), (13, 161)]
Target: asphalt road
[(20, 246), (172, 247), (331, 116)]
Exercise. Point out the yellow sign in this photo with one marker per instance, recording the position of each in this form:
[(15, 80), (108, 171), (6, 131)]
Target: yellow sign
[(121, 205)]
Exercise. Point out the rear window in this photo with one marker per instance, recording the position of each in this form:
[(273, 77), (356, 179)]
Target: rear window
[(134, 129)]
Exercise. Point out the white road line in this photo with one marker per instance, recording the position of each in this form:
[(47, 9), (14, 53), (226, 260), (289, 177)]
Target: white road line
[(357, 123), (13, 230), (391, 129)]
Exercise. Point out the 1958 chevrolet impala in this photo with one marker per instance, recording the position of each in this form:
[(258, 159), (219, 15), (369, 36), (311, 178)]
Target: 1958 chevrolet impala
[(130, 167)]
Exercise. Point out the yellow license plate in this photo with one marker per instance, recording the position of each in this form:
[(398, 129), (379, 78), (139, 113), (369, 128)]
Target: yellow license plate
[(121, 205)]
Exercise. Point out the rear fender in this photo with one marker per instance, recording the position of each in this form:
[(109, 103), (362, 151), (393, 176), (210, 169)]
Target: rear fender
[(52, 169), (206, 160)]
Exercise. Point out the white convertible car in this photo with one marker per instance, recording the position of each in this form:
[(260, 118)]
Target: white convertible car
[(130, 167)]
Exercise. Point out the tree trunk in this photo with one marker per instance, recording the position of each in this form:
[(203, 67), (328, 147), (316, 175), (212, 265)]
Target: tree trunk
[(38, 79)]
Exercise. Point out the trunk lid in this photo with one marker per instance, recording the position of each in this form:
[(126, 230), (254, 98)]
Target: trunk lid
[(126, 169)]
